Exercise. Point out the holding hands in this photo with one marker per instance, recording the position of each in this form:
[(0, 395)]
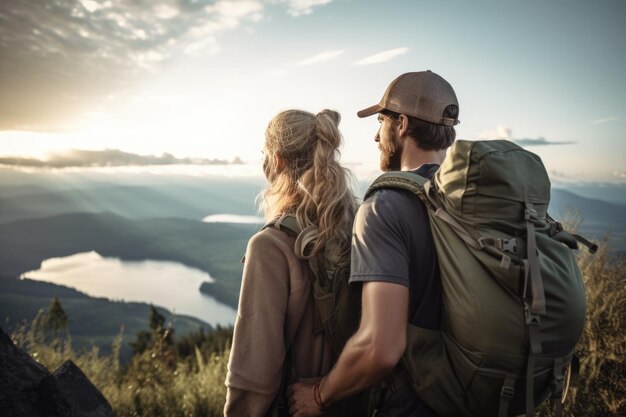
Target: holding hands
[(304, 399)]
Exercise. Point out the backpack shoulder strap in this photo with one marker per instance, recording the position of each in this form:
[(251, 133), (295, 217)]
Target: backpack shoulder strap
[(285, 222), (404, 180), (420, 186), (304, 237)]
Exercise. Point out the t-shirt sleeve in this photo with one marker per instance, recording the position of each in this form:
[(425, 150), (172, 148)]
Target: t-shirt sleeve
[(381, 240)]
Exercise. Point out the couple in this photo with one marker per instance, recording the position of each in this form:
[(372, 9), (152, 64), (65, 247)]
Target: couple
[(393, 260)]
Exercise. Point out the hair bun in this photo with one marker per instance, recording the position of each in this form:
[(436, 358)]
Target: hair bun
[(333, 115)]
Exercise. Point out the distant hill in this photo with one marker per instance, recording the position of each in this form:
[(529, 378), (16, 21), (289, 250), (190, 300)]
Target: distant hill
[(594, 211), (212, 247), (613, 193), (92, 321), (599, 218), (190, 201)]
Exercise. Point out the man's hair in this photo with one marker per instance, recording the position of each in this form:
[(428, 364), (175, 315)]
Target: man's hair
[(429, 136)]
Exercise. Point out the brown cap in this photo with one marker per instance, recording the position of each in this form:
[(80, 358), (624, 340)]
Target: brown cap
[(423, 95)]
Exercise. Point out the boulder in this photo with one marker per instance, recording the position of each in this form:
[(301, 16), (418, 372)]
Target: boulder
[(27, 389)]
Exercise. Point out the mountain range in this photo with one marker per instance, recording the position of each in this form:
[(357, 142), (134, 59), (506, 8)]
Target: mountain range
[(137, 217)]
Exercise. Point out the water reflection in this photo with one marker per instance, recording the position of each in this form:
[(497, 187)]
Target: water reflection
[(233, 218), (167, 284)]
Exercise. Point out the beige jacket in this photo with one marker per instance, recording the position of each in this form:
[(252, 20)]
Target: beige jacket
[(276, 311)]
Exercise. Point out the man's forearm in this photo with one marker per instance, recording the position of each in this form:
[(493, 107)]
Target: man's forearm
[(370, 354), (360, 365)]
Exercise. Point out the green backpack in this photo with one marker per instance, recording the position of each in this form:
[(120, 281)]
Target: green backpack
[(337, 306), (512, 294)]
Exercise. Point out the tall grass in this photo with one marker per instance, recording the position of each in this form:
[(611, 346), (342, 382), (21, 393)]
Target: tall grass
[(159, 382), (602, 348), (156, 383)]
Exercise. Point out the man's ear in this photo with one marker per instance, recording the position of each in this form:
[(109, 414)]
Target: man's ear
[(403, 125)]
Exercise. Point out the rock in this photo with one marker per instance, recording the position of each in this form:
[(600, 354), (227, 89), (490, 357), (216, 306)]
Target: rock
[(27, 389), (19, 380), (68, 392)]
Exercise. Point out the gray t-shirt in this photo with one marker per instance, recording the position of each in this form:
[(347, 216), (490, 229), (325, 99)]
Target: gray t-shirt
[(392, 242)]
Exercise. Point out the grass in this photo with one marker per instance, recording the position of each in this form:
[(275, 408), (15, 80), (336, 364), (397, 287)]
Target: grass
[(156, 383), (602, 348)]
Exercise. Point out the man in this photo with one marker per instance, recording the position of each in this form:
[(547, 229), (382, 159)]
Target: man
[(393, 254)]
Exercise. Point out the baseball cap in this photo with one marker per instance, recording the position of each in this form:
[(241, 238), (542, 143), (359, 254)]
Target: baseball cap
[(423, 95)]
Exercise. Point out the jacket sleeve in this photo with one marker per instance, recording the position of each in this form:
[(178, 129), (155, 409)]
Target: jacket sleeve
[(255, 367)]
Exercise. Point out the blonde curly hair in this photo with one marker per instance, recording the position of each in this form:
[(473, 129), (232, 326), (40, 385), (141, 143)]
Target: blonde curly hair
[(305, 177)]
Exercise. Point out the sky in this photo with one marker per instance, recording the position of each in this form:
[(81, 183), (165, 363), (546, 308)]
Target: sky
[(90, 82)]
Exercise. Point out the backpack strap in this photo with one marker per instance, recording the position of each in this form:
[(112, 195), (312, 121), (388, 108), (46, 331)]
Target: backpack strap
[(506, 394), (404, 180), (558, 386), (593, 248), (570, 239), (564, 377), (280, 407), (304, 238), (534, 305), (538, 297), (302, 247), (421, 187), (285, 222)]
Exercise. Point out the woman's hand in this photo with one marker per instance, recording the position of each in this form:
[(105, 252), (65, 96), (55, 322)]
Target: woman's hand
[(301, 400)]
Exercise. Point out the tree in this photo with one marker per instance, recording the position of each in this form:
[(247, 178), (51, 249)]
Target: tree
[(158, 333), (56, 319)]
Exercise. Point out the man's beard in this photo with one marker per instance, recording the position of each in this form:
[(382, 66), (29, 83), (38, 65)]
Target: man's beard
[(389, 156)]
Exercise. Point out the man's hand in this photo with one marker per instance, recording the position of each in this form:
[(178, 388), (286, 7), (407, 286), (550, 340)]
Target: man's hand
[(301, 400)]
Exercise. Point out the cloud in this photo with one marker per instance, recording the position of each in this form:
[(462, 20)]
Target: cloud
[(315, 59), (558, 174), (59, 58), (301, 7), (382, 56), (503, 132), (603, 120), (107, 158), (235, 9), (539, 142), (322, 57), (620, 174)]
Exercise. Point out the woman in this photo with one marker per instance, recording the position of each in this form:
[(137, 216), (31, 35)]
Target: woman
[(275, 335)]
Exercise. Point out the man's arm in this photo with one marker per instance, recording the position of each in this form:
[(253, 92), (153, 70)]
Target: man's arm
[(371, 353)]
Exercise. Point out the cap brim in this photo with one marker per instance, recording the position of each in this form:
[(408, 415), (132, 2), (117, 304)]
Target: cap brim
[(370, 111)]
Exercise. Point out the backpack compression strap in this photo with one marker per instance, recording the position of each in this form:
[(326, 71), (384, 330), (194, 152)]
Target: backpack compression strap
[(535, 306)]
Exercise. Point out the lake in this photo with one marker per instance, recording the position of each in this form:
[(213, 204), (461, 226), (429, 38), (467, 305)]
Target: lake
[(166, 284), (233, 218)]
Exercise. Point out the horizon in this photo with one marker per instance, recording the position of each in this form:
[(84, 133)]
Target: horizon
[(246, 171)]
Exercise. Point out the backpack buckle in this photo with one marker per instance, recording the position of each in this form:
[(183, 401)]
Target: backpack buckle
[(558, 380), (507, 392), (530, 214), (509, 245), (531, 319)]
